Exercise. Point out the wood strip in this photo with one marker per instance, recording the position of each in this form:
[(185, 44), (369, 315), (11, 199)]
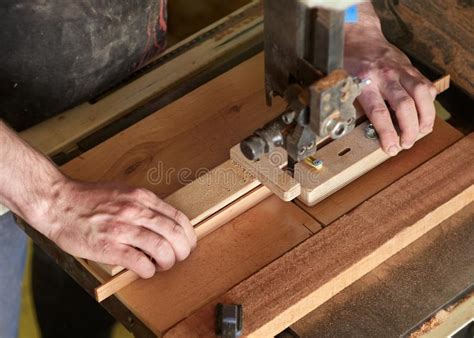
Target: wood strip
[(312, 273), (349, 197), (64, 130)]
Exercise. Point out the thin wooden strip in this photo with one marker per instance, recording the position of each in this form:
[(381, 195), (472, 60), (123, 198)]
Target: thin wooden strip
[(203, 229), (323, 265), (232, 211)]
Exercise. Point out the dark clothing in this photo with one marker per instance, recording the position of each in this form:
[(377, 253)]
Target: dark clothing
[(63, 308), (55, 54)]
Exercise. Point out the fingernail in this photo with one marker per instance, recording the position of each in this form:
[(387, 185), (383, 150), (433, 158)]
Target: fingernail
[(393, 150), (407, 145)]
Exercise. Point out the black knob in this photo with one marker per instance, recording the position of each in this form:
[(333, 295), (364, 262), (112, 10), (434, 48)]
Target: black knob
[(253, 147)]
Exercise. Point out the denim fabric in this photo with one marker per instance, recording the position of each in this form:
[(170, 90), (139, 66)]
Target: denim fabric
[(12, 265)]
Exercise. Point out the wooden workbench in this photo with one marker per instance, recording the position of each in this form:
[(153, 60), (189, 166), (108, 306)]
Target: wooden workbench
[(196, 132)]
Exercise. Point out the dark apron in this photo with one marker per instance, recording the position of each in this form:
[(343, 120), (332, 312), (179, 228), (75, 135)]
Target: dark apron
[(55, 54)]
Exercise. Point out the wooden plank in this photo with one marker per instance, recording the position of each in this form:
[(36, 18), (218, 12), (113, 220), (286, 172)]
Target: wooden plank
[(403, 292), (228, 35), (182, 141), (352, 246), (221, 260), (349, 197)]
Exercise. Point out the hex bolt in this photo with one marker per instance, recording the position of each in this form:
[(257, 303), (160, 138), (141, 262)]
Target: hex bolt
[(370, 132)]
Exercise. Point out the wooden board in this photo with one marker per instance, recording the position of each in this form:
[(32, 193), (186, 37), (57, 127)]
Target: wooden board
[(349, 197), (404, 291), (222, 260), (322, 266), (184, 140)]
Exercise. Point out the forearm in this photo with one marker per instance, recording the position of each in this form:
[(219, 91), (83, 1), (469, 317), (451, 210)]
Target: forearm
[(28, 180)]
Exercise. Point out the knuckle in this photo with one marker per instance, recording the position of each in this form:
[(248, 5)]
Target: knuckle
[(129, 210), (377, 112), (405, 104), (421, 87), (114, 229), (387, 71), (165, 257), (178, 229), (157, 243)]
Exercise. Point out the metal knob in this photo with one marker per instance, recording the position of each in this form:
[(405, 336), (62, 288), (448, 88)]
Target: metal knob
[(253, 147)]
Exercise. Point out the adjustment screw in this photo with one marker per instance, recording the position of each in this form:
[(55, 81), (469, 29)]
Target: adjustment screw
[(370, 132), (318, 164)]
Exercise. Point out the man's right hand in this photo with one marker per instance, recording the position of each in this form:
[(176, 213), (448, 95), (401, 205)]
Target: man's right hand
[(114, 224)]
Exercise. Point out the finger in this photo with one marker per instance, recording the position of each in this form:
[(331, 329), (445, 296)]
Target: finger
[(405, 109), (377, 112), (171, 231), (422, 93), (128, 257), (154, 245), (153, 202)]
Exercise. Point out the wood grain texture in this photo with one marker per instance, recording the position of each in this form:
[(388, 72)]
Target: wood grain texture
[(438, 33), (221, 260), (182, 141), (322, 266), (403, 291), (349, 197)]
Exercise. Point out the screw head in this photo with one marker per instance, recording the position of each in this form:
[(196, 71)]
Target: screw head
[(370, 132)]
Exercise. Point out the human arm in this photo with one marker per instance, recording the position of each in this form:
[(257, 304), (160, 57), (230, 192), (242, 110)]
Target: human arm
[(108, 223), (393, 79)]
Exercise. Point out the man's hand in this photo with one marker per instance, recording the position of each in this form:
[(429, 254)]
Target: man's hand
[(117, 225), (107, 223), (368, 55)]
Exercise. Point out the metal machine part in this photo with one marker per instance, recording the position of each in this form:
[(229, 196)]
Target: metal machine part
[(304, 48), (229, 320)]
